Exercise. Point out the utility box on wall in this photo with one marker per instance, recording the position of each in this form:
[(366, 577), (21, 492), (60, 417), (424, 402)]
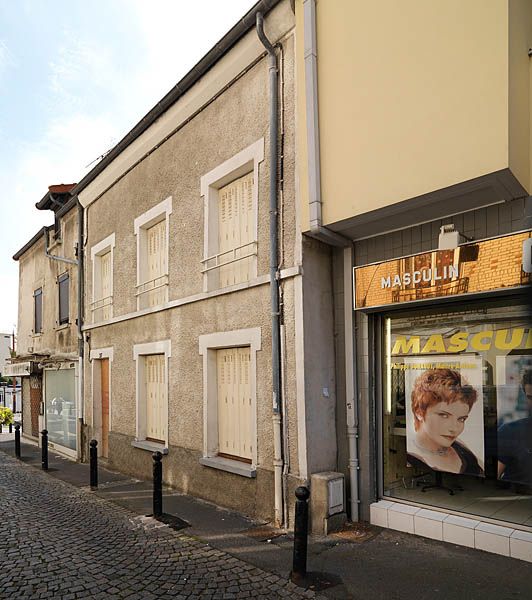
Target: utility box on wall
[(327, 502)]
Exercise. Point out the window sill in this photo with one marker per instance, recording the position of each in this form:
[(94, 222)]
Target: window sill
[(150, 446), (231, 466)]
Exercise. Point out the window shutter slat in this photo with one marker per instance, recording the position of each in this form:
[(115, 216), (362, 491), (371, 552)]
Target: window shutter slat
[(234, 402)]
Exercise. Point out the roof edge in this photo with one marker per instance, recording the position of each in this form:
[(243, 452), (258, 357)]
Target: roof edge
[(29, 244), (246, 23)]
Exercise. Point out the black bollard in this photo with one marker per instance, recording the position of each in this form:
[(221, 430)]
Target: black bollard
[(44, 450), (10, 427), (93, 464), (299, 565), (17, 440), (157, 485)]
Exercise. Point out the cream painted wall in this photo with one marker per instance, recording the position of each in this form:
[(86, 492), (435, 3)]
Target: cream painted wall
[(413, 97), (37, 270)]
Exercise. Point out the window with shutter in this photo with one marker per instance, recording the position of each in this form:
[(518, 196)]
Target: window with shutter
[(151, 229), (231, 198), (105, 275), (156, 265), (235, 231), (155, 396), (37, 311), (234, 403), (64, 298), (102, 290)]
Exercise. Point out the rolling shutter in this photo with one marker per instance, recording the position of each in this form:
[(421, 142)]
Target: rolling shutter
[(234, 403), (155, 397)]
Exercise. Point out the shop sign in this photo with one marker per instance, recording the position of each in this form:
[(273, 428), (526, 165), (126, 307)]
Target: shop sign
[(504, 262), (462, 341), (17, 369)]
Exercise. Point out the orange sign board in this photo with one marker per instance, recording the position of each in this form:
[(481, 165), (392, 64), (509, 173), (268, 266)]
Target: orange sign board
[(498, 263)]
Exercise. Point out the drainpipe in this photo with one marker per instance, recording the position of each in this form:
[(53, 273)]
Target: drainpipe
[(81, 345), (274, 280), (69, 261), (317, 230), (322, 233)]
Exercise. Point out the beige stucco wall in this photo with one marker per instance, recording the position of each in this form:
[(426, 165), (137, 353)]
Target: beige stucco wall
[(236, 119), (414, 97), (37, 270)]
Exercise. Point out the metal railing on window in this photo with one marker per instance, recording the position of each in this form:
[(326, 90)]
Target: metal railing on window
[(102, 303), (101, 308), (229, 256), (153, 284)]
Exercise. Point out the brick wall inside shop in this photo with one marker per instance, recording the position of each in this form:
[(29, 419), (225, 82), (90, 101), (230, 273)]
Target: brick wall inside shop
[(491, 221)]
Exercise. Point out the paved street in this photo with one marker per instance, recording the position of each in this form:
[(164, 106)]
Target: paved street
[(62, 542)]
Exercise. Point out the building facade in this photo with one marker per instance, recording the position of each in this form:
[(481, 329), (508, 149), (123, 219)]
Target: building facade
[(48, 350), (178, 320), (415, 176)]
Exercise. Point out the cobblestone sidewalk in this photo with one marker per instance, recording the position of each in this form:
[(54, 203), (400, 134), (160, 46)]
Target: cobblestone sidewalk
[(64, 543)]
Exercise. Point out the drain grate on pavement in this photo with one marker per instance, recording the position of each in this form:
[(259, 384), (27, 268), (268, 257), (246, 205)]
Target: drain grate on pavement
[(356, 532)]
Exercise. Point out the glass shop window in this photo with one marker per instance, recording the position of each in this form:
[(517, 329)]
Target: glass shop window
[(60, 407), (457, 410)]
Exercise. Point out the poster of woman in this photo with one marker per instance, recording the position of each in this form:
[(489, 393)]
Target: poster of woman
[(514, 414), (444, 413)]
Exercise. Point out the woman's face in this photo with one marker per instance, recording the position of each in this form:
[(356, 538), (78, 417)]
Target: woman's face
[(443, 422)]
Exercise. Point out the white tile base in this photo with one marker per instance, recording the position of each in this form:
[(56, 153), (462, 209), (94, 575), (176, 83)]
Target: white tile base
[(453, 529), (521, 545), (489, 542), (401, 517), (429, 523)]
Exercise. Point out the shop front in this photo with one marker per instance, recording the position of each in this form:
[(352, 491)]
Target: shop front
[(60, 408), (453, 403)]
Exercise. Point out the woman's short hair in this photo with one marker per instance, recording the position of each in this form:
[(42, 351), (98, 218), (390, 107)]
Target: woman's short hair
[(440, 385)]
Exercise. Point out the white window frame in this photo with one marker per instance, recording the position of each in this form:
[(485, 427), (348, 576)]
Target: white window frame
[(208, 345), (246, 161), (139, 351), (156, 214), (97, 354), (98, 250)]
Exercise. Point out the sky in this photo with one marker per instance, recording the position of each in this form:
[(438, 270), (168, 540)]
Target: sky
[(75, 77)]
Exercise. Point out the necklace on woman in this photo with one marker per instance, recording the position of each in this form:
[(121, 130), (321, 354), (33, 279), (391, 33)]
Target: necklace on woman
[(439, 452)]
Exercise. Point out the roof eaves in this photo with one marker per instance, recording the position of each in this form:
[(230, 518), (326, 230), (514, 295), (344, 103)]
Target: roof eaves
[(67, 207), (197, 71), (29, 244)]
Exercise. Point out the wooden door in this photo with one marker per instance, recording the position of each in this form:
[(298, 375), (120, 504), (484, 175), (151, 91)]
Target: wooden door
[(104, 371), (35, 403)]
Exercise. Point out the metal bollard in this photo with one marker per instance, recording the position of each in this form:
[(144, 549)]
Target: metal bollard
[(157, 484), (10, 427), (93, 464), (17, 440), (44, 450), (299, 565)]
